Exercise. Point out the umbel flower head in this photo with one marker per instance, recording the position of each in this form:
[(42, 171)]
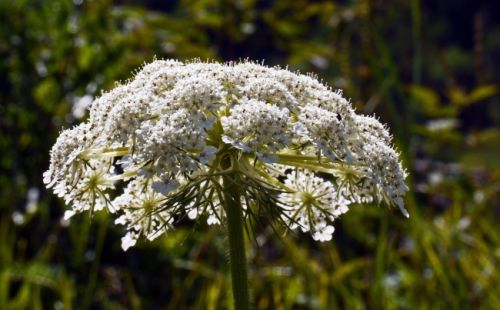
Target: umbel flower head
[(155, 150)]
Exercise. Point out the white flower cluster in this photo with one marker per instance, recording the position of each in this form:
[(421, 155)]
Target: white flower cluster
[(155, 149), (255, 126), (313, 203)]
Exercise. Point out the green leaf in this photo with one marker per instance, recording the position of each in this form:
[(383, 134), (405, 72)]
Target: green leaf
[(481, 92), (427, 98), (460, 98), (46, 94)]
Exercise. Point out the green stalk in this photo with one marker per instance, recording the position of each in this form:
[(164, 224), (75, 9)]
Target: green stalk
[(232, 205), (94, 269)]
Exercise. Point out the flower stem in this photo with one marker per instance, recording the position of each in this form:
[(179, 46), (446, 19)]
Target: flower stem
[(238, 262)]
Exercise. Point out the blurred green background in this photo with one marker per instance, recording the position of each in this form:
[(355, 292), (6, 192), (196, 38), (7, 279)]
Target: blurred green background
[(427, 68)]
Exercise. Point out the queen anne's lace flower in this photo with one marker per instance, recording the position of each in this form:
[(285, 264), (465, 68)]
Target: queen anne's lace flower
[(327, 131), (141, 212), (165, 139), (311, 204), (255, 126), (90, 191)]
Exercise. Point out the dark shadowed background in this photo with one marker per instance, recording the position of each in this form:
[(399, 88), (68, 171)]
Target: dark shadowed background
[(429, 69)]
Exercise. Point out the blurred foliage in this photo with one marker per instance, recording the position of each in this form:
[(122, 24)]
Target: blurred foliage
[(428, 68)]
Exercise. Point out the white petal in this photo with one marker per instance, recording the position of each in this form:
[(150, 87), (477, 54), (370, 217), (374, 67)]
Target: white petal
[(128, 241), (213, 220), (192, 214), (68, 214), (401, 205), (164, 188), (268, 159)]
